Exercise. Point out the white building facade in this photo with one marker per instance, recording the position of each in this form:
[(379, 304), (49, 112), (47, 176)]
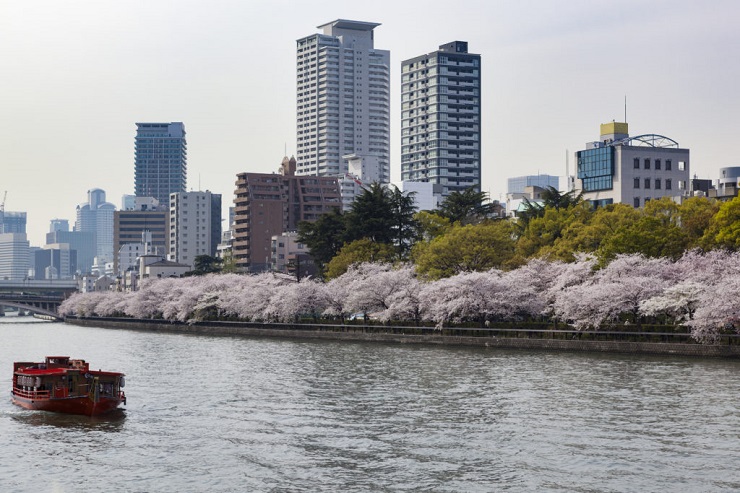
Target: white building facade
[(631, 170), (195, 225), (343, 99)]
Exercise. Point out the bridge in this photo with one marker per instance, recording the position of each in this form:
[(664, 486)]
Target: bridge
[(36, 296)]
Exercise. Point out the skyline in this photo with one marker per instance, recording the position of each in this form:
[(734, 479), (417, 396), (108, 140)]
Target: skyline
[(76, 78)]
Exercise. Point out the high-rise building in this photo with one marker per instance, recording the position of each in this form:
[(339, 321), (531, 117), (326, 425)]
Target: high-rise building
[(618, 168), (13, 222), (195, 225), (441, 118), (14, 256), (82, 243), (161, 160), (343, 99), (96, 216), (266, 205)]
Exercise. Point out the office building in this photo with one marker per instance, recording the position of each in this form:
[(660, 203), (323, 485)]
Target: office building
[(14, 256), (631, 170), (96, 217), (195, 225), (518, 184), (12, 222), (160, 160), (441, 118), (130, 226), (343, 99), (266, 205), (82, 243)]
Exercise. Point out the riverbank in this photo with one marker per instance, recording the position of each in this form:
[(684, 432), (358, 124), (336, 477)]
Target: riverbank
[(551, 340)]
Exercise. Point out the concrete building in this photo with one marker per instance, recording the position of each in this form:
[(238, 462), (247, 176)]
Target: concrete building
[(441, 118), (130, 225), (160, 160), (427, 196), (195, 225), (14, 256), (631, 170), (361, 172), (728, 184), (266, 205), (81, 242), (58, 225), (55, 261), (343, 99)]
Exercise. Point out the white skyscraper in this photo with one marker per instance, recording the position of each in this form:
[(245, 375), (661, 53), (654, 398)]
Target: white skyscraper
[(343, 99)]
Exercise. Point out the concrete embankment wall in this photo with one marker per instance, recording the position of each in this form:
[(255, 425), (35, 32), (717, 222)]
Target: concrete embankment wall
[(398, 335)]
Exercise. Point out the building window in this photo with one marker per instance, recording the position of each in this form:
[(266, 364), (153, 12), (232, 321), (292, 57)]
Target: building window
[(681, 185), (647, 199), (647, 163), (637, 202), (681, 166), (637, 183), (637, 163), (657, 164), (667, 180), (657, 183), (668, 165), (647, 182)]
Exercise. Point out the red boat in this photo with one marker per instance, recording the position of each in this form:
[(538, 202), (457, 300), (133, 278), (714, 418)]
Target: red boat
[(65, 385)]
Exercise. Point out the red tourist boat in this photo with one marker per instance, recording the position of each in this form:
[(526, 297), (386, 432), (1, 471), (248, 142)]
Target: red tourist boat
[(65, 385)]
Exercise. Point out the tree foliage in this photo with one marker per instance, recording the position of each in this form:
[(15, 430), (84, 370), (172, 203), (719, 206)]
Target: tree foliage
[(466, 207), (468, 248), (358, 252)]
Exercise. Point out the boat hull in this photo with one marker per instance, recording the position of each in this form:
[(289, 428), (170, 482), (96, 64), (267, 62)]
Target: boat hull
[(70, 405)]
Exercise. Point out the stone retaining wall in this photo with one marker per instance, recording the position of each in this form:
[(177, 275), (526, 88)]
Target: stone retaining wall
[(376, 334)]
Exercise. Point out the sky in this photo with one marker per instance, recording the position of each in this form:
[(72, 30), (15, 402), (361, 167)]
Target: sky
[(75, 77)]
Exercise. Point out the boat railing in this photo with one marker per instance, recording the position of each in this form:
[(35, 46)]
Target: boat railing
[(32, 394)]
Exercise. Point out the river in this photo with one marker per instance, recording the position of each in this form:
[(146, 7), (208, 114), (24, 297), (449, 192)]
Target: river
[(222, 414)]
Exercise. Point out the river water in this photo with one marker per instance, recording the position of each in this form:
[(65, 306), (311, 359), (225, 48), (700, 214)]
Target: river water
[(232, 414)]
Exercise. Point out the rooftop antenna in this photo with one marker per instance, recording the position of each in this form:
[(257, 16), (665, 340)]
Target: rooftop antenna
[(625, 108)]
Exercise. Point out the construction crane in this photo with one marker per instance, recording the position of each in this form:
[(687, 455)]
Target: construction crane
[(2, 204)]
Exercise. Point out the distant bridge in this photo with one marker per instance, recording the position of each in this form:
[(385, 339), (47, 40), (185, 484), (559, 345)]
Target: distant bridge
[(36, 296)]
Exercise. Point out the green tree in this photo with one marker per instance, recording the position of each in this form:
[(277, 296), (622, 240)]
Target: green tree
[(466, 248), (372, 215), (205, 264), (724, 227), (356, 252), (430, 225), (466, 207), (551, 198), (405, 227), (540, 235), (588, 231), (696, 215), (656, 233), (324, 237)]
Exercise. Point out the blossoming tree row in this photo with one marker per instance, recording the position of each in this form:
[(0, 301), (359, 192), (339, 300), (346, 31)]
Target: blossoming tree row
[(698, 290)]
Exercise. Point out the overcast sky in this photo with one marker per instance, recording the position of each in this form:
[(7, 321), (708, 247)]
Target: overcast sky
[(76, 75)]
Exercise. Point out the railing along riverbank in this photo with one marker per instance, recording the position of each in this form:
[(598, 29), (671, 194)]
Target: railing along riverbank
[(629, 341)]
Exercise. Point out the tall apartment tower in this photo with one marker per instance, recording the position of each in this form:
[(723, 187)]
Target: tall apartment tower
[(195, 225), (160, 159), (343, 103), (441, 118)]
